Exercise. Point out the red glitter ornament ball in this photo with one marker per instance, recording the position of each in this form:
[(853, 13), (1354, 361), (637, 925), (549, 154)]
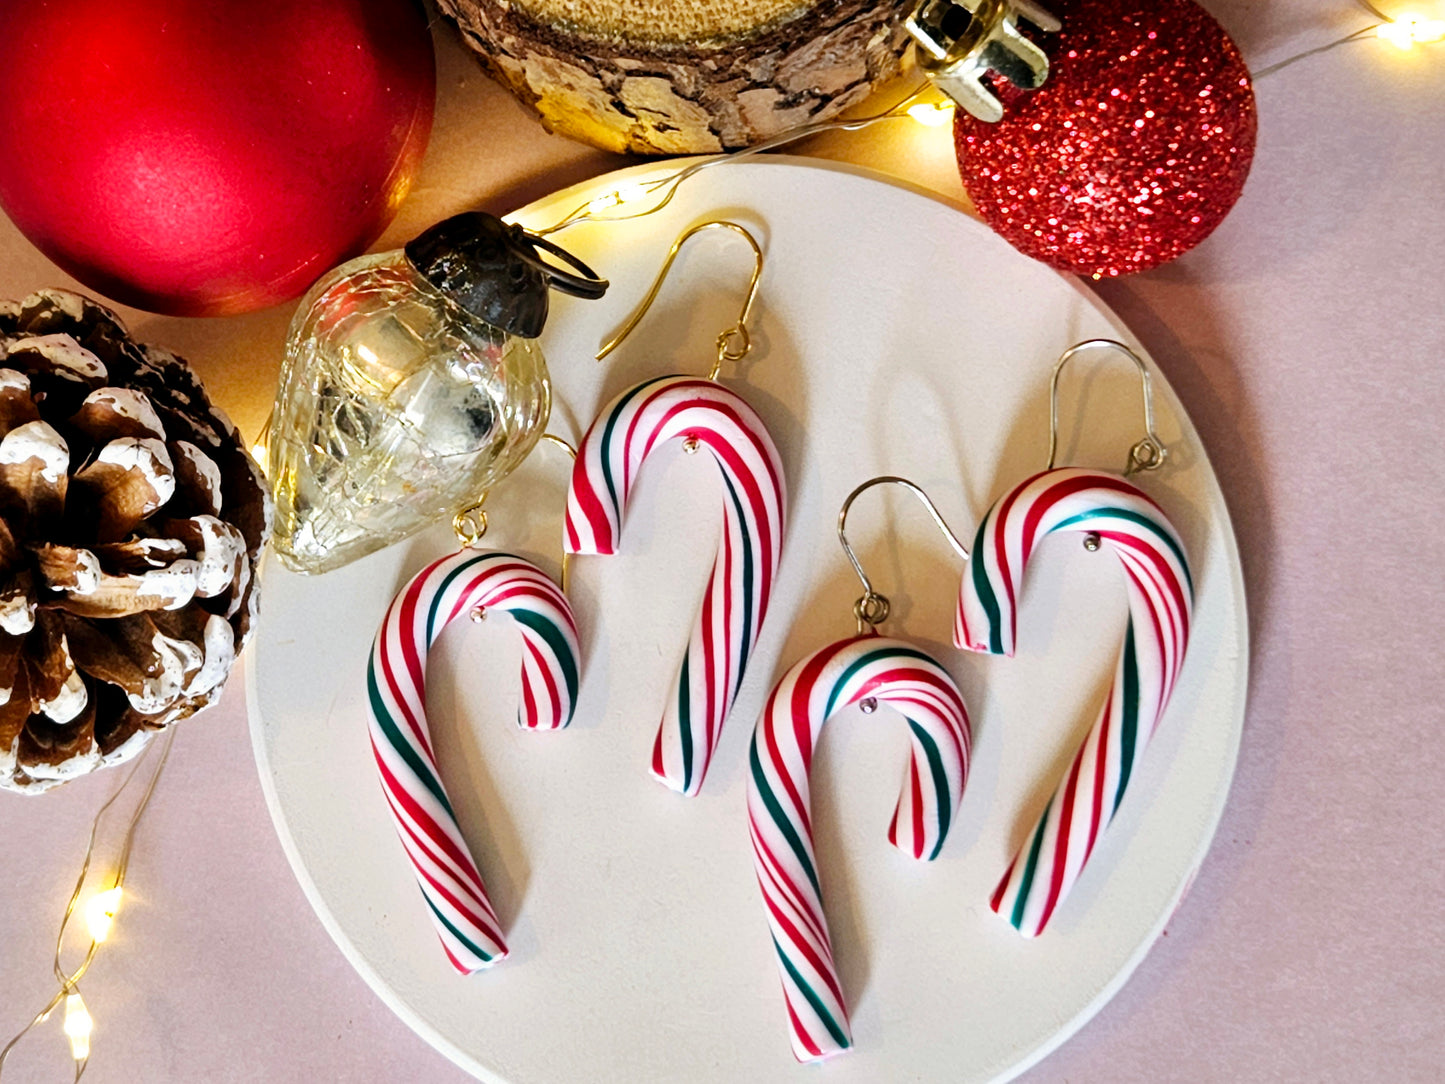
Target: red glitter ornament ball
[(1131, 153), (204, 157)]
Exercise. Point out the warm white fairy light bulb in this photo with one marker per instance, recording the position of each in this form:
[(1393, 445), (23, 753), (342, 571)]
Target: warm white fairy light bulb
[(603, 202), (78, 1026), (932, 114), (100, 913), (630, 192), (1409, 30), (617, 197)]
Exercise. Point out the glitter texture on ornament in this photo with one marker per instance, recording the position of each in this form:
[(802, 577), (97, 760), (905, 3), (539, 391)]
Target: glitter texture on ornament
[(1131, 153)]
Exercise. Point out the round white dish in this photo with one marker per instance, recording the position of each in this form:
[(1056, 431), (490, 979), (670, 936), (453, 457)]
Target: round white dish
[(893, 335)]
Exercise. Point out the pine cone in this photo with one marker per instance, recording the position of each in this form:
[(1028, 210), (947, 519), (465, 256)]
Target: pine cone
[(131, 520)]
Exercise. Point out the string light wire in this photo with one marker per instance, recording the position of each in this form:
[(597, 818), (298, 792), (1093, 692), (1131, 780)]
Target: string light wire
[(594, 209), (78, 1023), (1404, 30), (1358, 35)]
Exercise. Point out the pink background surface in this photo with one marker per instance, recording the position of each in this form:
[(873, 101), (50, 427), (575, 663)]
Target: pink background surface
[(1306, 339)]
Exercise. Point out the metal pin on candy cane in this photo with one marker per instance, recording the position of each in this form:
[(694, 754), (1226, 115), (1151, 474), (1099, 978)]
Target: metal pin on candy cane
[(473, 583), (1110, 512), (866, 670), (703, 414)]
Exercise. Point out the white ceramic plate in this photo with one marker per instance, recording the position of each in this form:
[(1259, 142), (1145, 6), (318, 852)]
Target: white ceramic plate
[(894, 335)]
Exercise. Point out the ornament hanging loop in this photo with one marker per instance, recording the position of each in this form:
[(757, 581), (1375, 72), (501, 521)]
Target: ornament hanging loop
[(1149, 452), (871, 610), (735, 343), (470, 524), (961, 41)]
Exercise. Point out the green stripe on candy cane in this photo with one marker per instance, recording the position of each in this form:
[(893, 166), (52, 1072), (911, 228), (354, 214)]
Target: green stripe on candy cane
[(779, 820), (1160, 590), (423, 815)]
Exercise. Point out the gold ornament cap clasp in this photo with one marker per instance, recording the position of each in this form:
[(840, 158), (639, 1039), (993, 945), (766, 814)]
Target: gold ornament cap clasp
[(960, 41)]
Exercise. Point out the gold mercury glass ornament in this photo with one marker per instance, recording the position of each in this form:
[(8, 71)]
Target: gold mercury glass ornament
[(412, 382)]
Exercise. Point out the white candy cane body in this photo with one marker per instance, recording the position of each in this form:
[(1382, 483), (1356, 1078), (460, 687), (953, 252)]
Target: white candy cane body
[(780, 820), (1161, 596), (608, 462), (454, 587)]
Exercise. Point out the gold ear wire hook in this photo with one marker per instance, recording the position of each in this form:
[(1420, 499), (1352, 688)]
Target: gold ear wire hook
[(872, 609), (471, 522), (1149, 453), (734, 343)]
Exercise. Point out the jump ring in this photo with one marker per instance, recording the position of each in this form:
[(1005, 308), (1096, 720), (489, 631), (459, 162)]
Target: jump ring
[(469, 525)]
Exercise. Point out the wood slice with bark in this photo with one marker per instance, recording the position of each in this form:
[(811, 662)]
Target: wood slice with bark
[(684, 76)]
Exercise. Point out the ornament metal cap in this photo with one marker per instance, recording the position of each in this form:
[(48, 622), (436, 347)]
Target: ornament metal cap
[(496, 271), (960, 41)]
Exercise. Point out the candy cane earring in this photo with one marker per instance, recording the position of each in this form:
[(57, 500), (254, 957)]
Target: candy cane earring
[(867, 669), (1111, 512), (478, 584), (703, 414)]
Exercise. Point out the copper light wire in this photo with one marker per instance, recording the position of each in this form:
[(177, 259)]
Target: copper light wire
[(69, 982)]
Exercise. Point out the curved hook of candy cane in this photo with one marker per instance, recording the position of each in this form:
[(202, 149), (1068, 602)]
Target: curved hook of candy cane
[(866, 670), (475, 584), (704, 414), (1111, 512)]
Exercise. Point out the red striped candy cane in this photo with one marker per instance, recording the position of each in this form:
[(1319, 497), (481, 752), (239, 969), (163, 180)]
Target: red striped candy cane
[(462, 583), (1161, 598), (869, 667), (608, 462)]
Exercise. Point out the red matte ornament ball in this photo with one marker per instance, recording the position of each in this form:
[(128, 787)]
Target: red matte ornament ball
[(206, 157), (1133, 150)]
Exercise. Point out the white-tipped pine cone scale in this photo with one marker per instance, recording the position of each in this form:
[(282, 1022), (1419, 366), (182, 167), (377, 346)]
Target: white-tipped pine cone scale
[(131, 520)]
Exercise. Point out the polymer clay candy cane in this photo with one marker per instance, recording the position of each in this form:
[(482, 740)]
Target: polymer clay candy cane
[(869, 669), (478, 583), (1114, 513), (707, 415)]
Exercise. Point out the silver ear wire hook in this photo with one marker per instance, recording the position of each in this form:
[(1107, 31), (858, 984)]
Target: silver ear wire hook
[(872, 609), (734, 343), (1149, 453)]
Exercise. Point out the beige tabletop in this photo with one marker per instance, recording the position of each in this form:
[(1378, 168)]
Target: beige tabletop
[(1306, 338)]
